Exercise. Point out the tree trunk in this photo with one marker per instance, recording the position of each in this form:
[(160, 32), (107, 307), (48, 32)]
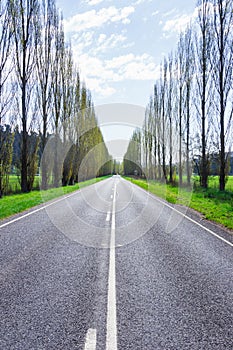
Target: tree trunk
[(44, 168), (188, 135), (24, 154), (180, 138)]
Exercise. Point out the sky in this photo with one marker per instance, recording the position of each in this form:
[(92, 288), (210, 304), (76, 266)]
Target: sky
[(118, 47)]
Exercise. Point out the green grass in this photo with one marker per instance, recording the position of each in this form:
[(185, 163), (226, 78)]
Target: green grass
[(213, 182), (16, 203), (213, 204)]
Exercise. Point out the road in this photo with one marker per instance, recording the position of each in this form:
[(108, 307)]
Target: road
[(112, 267)]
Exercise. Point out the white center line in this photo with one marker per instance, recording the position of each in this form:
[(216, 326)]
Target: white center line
[(108, 216), (111, 337), (90, 343)]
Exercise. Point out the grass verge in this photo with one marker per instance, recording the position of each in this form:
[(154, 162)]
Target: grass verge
[(16, 203), (214, 205)]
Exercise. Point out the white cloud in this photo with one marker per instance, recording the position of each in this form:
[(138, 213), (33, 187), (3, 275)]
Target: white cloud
[(134, 67), (95, 44), (95, 52), (177, 24), (101, 74), (108, 43), (102, 38), (139, 2), (83, 40), (126, 67), (94, 2), (93, 67), (169, 13), (95, 19), (117, 62), (100, 87)]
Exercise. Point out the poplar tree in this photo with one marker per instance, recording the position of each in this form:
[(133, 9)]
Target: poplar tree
[(57, 95), (44, 63), (24, 15), (222, 57), (189, 72), (6, 93), (203, 43)]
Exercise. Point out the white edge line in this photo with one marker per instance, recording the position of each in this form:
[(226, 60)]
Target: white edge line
[(111, 336), (90, 343), (185, 216), (47, 205)]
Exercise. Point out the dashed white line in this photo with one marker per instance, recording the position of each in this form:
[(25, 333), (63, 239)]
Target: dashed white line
[(111, 337), (90, 343), (108, 216)]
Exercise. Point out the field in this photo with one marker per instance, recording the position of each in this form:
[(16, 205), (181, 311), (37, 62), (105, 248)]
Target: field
[(14, 184), (213, 204), (214, 182)]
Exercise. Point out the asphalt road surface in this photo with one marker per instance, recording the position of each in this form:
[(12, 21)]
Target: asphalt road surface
[(112, 267)]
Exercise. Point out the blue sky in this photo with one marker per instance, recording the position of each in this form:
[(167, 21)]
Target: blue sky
[(118, 45)]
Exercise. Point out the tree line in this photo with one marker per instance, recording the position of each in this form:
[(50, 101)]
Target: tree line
[(188, 120), (43, 100)]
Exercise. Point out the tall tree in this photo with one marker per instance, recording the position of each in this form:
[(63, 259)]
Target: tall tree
[(67, 115), (148, 138), (44, 48), (163, 85), (77, 93), (145, 142), (57, 94), (222, 58), (180, 68), (24, 14), (203, 43), (132, 158), (170, 108), (189, 71), (157, 130), (6, 92)]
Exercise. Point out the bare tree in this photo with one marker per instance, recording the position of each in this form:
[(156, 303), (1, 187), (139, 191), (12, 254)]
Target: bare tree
[(132, 158), (189, 72), (44, 47), (6, 93), (203, 44), (157, 130), (222, 57), (146, 141), (24, 15), (68, 113), (180, 71), (77, 107), (170, 108), (57, 68), (148, 138), (163, 84)]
